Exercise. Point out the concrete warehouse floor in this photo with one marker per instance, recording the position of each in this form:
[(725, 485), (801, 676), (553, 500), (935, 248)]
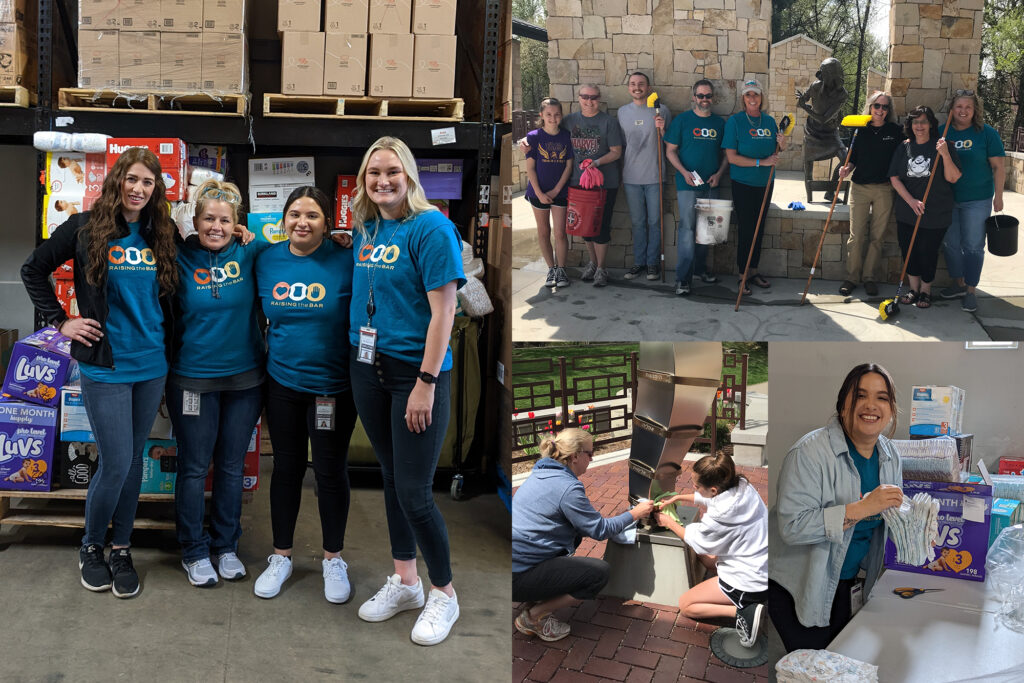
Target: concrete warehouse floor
[(55, 630)]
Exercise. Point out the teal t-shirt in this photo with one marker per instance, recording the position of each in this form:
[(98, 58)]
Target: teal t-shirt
[(306, 300), (217, 299), (406, 259), (861, 543), (135, 321), (754, 138), (700, 146), (974, 148)]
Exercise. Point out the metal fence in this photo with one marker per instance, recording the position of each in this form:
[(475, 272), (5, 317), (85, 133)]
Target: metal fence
[(598, 393)]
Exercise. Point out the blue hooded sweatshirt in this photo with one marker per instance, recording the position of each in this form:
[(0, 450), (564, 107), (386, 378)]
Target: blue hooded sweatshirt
[(549, 511)]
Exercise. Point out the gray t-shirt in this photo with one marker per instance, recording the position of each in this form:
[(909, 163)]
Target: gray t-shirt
[(640, 158), (591, 139)]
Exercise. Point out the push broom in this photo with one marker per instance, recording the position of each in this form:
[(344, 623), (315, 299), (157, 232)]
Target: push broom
[(785, 127), (891, 307), (855, 121), (653, 102)]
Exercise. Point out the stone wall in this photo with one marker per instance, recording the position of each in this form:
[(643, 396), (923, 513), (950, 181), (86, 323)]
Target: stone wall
[(874, 82), (934, 49), (794, 62), (1014, 172)]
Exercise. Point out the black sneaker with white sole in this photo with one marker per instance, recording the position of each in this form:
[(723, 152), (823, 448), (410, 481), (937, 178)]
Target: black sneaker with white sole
[(125, 579), (550, 281), (95, 572), (748, 623)]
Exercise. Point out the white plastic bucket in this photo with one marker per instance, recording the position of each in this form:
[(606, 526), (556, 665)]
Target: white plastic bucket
[(713, 220)]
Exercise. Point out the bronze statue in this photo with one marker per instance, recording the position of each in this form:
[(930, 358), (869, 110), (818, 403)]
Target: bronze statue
[(821, 131)]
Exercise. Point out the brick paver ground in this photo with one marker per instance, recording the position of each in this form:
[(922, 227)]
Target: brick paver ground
[(630, 641)]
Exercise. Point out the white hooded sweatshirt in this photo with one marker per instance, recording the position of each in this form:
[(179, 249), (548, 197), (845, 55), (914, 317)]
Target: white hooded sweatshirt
[(735, 530)]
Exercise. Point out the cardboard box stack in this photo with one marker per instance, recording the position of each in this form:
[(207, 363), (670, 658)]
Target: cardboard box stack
[(162, 45), (270, 183), (18, 43)]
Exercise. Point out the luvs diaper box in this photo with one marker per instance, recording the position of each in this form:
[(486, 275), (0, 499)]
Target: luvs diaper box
[(27, 434), (40, 365)]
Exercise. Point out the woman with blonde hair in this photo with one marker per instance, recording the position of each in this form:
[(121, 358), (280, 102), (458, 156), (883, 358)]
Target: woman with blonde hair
[(550, 517), (215, 386), (125, 276), (408, 265), (871, 196)]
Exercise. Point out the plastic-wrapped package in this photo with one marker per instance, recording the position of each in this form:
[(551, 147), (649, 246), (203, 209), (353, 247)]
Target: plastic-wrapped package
[(913, 526), (94, 143), (474, 268), (929, 459), (814, 666), (1005, 570), (474, 299), (52, 141), (182, 213), (1008, 486)]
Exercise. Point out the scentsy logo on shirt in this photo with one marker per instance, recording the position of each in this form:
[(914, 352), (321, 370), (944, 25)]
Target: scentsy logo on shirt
[(36, 369), (963, 144), (760, 133), (380, 254), (299, 294), (204, 276), (19, 447), (132, 256), (709, 133)]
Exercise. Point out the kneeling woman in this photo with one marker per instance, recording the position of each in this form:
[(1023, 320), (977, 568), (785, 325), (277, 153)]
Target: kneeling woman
[(215, 387), (826, 526), (305, 284), (550, 516), (732, 536), (408, 266)]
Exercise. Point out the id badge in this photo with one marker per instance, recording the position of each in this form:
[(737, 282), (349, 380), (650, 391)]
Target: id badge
[(367, 344), (190, 403), (325, 413), (856, 596)]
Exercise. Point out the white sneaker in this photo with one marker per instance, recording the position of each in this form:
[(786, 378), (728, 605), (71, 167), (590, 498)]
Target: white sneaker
[(392, 598), (273, 577), (436, 619), (200, 573), (336, 586), (230, 567)]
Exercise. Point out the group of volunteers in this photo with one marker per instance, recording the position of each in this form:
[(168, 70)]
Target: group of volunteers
[(890, 168), (551, 515), (357, 326)]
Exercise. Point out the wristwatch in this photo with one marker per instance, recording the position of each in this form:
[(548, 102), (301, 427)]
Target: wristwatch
[(427, 377)]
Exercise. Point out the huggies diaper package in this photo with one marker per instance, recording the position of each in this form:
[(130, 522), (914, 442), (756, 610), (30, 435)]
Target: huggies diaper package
[(961, 546), (27, 434)]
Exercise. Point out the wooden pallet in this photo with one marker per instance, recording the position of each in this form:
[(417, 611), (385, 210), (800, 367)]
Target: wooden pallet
[(16, 96), (135, 101), (331, 107)]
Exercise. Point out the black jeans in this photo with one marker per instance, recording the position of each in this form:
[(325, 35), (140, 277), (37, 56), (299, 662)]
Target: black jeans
[(407, 459), (796, 636), (924, 258), (747, 200), (293, 434), (581, 577)]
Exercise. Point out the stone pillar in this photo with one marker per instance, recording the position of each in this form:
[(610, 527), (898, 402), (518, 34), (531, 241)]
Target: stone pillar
[(874, 81), (934, 50)]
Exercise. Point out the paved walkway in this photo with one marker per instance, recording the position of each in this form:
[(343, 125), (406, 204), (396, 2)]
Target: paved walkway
[(639, 310), (628, 641)]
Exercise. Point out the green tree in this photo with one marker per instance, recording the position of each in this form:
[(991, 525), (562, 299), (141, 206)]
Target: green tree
[(533, 55), (1001, 82)]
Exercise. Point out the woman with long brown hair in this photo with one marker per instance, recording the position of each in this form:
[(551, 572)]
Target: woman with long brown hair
[(125, 276)]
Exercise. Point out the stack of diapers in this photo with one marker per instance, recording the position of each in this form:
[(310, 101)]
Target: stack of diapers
[(929, 459), (913, 526), (815, 666)]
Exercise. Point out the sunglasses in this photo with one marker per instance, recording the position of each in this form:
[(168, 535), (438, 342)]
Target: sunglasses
[(964, 93), (224, 195), (702, 96), (883, 107), (590, 98)]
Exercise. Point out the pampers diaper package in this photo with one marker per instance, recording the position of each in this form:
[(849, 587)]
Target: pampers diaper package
[(961, 544), (27, 434)]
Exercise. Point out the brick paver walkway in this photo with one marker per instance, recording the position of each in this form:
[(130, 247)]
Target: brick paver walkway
[(634, 642)]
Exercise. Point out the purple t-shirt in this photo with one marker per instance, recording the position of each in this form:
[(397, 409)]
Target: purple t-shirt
[(550, 154)]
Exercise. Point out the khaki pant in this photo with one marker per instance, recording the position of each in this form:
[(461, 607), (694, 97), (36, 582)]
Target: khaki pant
[(870, 209)]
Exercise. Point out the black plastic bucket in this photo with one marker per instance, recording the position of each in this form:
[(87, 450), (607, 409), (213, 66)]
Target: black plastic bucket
[(1002, 235)]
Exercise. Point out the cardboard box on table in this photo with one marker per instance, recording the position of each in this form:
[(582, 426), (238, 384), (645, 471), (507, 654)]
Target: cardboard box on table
[(298, 15), (434, 72), (225, 62), (138, 55), (935, 410), (965, 512), (40, 363), (251, 465), (224, 16), (99, 14), (345, 64), (27, 436), (17, 56), (391, 60), (302, 63), (433, 17), (181, 61), (181, 15), (98, 65), (140, 15), (159, 466), (171, 152), (271, 180), (346, 16)]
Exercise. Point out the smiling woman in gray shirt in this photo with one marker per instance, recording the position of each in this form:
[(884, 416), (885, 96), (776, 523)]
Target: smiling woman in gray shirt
[(826, 528)]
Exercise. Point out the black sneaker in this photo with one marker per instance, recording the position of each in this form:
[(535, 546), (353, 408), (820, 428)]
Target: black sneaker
[(748, 623), (95, 572), (126, 581)]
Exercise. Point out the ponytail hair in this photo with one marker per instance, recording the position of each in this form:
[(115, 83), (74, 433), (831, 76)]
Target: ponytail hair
[(568, 443), (717, 471)]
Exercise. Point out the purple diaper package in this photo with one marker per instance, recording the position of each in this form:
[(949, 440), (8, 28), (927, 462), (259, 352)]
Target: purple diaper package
[(965, 512), (40, 365), (27, 434)]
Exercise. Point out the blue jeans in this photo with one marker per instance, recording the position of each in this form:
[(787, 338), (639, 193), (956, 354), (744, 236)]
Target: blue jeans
[(965, 240), (220, 434), (691, 258), (645, 213), (121, 416), (407, 459)]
